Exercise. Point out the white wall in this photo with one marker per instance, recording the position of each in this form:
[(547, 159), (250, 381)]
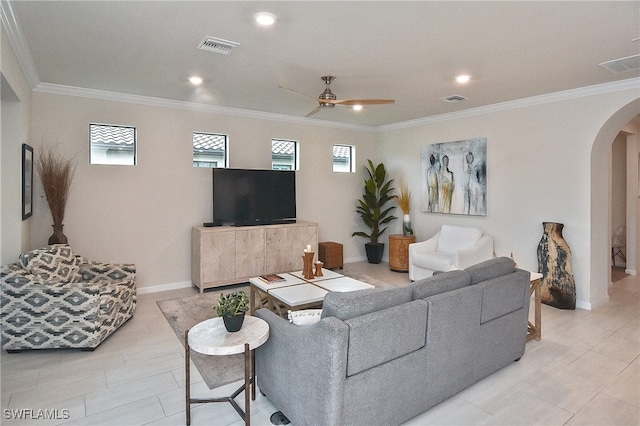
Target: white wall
[(538, 170), (144, 213), (14, 131)]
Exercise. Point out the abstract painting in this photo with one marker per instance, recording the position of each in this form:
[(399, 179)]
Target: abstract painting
[(454, 177)]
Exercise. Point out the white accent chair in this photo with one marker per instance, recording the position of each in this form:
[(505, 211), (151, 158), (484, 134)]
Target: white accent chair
[(453, 247)]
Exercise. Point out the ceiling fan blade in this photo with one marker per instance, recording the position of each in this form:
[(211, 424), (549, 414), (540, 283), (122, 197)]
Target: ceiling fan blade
[(298, 93), (360, 101), (318, 108)]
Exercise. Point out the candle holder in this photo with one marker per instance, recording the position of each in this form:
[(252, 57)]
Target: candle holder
[(307, 271), (318, 269)]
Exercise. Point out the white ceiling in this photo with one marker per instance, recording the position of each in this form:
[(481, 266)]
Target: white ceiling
[(408, 51)]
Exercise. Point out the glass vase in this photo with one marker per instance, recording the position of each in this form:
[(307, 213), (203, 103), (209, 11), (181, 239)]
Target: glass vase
[(407, 230)]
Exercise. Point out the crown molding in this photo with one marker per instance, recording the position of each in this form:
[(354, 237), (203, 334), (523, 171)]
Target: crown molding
[(19, 44), (632, 83), (58, 89)]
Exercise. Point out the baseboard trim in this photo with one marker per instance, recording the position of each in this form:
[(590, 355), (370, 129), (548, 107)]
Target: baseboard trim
[(164, 287), (630, 271)]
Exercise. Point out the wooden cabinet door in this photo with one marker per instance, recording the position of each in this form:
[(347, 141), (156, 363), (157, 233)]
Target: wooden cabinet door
[(302, 236), (218, 256), (250, 259), (278, 249)]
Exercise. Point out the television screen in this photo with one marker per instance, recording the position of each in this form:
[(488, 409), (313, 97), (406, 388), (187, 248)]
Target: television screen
[(253, 197)]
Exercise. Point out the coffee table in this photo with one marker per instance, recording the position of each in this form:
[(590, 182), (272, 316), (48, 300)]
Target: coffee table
[(343, 284), (296, 292), (210, 337)]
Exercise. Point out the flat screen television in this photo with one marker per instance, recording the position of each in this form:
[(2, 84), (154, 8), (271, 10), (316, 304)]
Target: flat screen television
[(244, 197)]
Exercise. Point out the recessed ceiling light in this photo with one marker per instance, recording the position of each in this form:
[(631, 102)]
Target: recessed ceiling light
[(357, 107), (265, 18), (196, 81), (463, 78)]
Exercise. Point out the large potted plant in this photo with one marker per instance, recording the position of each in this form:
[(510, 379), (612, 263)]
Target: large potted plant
[(373, 211), (231, 308), (56, 173)]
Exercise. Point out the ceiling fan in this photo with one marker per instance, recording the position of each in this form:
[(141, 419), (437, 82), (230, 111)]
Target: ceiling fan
[(328, 99)]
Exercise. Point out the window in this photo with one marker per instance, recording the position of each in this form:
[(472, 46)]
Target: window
[(284, 154), (210, 150), (112, 144), (344, 158)]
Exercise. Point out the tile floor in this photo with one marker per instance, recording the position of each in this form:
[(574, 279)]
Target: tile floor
[(584, 371)]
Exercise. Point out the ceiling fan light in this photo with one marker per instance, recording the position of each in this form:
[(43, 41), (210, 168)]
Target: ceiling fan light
[(265, 18), (462, 79)]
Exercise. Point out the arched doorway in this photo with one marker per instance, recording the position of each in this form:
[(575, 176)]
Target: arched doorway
[(600, 271)]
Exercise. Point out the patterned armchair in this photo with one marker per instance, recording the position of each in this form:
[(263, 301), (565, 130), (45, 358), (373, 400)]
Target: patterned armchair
[(53, 298)]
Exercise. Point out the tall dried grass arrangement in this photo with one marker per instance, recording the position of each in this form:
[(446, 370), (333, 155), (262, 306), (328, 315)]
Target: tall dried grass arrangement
[(404, 199), (56, 173)]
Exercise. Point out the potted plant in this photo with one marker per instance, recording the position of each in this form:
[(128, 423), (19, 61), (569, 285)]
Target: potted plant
[(404, 202), (56, 173), (231, 308), (371, 208)]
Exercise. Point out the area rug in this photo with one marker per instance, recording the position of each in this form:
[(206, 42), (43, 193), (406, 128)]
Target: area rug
[(184, 313)]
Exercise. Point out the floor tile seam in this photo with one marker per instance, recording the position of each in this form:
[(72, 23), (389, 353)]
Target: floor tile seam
[(528, 394), (605, 392), (154, 358), (141, 397), (615, 356), (600, 386)]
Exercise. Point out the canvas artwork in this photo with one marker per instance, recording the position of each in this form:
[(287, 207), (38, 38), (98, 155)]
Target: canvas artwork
[(454, 177)]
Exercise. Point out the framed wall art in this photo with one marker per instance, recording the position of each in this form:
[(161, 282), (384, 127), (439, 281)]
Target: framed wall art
[(27, 181), (454, 177)]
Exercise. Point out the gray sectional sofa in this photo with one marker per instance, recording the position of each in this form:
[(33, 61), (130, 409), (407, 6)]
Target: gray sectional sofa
[(383, 356)]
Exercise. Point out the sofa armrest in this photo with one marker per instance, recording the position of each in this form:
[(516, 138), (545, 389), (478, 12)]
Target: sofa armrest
[(302, 369), (479, 252), (424, 246)]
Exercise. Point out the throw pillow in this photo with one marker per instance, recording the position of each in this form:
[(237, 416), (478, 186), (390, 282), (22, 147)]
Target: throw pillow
[(305, 316), (54, 263)]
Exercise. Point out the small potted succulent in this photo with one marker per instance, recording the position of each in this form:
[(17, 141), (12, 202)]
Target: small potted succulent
[(231, 308)]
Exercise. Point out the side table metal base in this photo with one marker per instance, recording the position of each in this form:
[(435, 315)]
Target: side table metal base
[(249, 383)]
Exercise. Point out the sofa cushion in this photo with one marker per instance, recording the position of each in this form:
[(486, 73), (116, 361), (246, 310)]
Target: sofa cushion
[(456, 238), (440, 283), (345, 305), (54, 263), (491, 269), (385, 335), (502, 295)]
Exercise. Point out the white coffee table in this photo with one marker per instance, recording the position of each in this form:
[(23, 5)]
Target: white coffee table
[(300, 296), (210, 337), (343, 284), (327, 274), (259, 291)]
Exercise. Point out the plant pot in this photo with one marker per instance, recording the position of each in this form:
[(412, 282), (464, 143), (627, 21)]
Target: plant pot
[(374, 252), (233, 324)]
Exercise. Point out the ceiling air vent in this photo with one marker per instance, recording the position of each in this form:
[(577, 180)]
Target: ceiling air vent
[(217, 45), (617, 66), (453, 99)]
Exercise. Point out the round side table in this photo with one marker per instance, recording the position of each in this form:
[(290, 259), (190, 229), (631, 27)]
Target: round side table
[(399, 251), (210, 337)]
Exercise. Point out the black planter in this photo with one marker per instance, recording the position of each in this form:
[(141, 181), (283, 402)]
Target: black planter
[(233, 324), (374, 252)]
